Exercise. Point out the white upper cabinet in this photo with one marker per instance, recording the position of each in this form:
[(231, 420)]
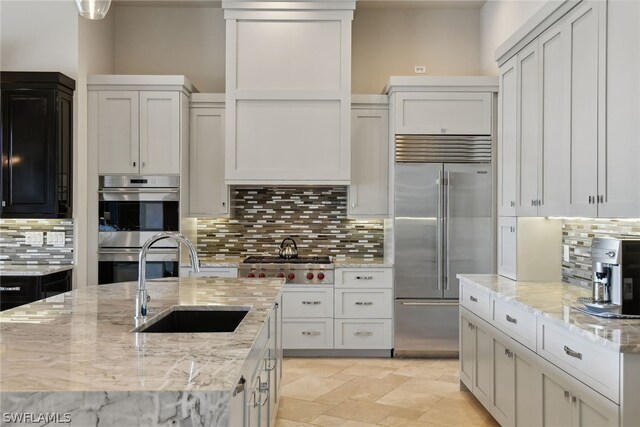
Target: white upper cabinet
[(554, 138), (507, 138), (118, 132), (208, 193), (583, 24), (443, 113), (618, 171), (528, 119), (139, 123), (369, 189), (288, 93)]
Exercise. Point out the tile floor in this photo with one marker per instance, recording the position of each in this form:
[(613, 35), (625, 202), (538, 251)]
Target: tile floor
[(376, 392)]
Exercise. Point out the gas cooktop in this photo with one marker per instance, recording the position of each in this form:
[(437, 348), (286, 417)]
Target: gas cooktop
[(278, 260)]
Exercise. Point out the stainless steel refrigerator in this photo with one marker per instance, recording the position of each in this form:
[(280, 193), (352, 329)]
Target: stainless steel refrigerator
[(443, 227)]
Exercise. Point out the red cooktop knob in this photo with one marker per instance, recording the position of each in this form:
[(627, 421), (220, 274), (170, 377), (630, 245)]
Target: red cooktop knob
[(251, 275), (320, 276), (281, 274), (261, 274), (291, 276), (309, 276)]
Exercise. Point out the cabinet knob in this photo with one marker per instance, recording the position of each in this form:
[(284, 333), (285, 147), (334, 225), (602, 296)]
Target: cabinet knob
[(134, 164)]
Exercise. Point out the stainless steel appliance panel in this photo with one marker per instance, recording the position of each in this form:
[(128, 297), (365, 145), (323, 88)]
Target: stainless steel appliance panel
[(132, 239), (418, 253), (468, 228), (426, 328), (122, 265)]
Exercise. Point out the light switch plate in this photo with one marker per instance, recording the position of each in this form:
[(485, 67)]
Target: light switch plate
[(34, 238), (55, 238), (565, 253)]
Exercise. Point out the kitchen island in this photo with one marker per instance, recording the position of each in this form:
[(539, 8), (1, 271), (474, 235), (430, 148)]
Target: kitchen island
[(76, 360)]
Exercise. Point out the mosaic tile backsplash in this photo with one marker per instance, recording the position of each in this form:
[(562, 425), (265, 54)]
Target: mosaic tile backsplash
[(14, 249), (315, 217), (577, 234)]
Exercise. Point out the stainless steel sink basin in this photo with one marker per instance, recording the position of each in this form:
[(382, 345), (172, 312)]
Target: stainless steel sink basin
[(195, 320)]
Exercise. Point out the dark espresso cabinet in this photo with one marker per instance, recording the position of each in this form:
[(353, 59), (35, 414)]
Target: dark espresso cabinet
[(37, 141), (20, 290)]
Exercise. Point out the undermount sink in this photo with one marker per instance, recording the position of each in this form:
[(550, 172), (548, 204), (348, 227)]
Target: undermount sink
[(196, 320)]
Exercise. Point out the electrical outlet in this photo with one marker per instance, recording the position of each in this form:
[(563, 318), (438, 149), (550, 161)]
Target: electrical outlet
[(565, 253), (419, 69), (55, 238), (34, 238)]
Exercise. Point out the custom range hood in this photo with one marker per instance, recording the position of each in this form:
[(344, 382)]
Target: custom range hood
[(288, 92)]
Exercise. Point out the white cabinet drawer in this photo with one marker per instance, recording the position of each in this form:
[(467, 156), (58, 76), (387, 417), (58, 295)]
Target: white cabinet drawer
[(307, 302), (475, 300), (364, 277), (305, 333), (589, 362), (363, 334), (515, 322), (361, 304), (443, 113)]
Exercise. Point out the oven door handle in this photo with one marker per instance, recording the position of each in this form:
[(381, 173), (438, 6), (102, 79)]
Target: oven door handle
[(137, 251), (138, 190)]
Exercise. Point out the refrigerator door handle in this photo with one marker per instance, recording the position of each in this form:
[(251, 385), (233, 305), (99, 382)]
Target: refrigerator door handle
[(445, 240), (439, 230)]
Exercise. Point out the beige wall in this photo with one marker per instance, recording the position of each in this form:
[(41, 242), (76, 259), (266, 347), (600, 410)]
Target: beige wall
[(390, 42), (95, 56), (499, 19), (385, 42), (172, 40)]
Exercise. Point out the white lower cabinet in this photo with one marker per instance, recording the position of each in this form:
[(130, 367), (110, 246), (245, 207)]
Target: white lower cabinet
[(255, 399), (356, 315), (363, 334), (536, 386)]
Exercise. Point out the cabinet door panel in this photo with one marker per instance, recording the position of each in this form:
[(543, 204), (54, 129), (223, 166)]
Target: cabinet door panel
[(504, 383), (483, 370), (208, 194), (159, 133), (507, 138), (556, 407), (554, 145), (369, 189), (595, 411), (582, 29), (619, 175), (467, 351), (118, 137), (528, 393), (528, 130)]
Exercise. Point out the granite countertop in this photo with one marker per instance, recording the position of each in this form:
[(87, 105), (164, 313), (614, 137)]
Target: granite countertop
[(554, 301), (31, 269), (84, 343), (340, 262)]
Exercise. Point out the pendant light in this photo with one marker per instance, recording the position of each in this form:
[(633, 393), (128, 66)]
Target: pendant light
[(93, 9)]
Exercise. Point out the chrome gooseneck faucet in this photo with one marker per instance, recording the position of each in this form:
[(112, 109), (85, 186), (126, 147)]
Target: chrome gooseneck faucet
[(141, 293)]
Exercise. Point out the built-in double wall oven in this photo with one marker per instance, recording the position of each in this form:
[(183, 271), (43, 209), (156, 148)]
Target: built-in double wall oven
[(130, 210)]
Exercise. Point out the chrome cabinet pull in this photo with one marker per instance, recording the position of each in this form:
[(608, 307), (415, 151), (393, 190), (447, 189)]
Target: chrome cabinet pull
[(134, 164), (364, 302), (311, 333), (311, 302), (9, 288), (589, 199), (363, 334), (572, 353), (471, 326), (472, 298), (364, 277), (508, 353), (511, 319), (573, 399), (566, 394)]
